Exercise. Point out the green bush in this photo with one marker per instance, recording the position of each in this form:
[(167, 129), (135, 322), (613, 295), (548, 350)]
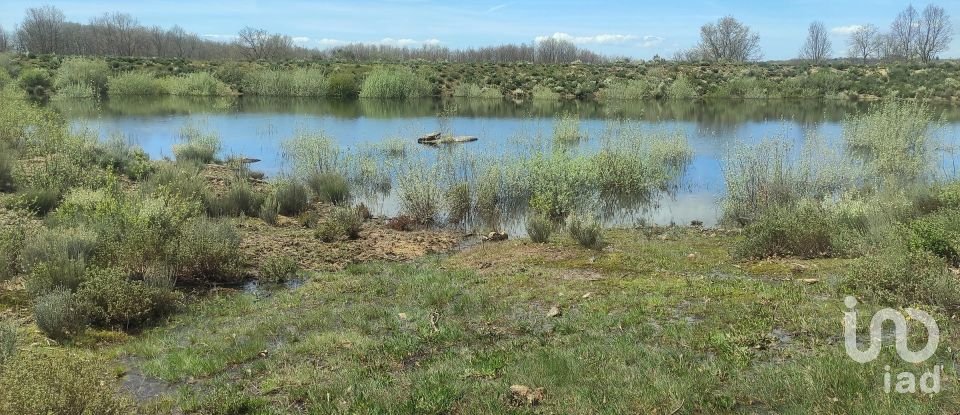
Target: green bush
[(57, 314), (178, 181), (395, 82), (539, 229), (40, 200), (938, 234), (36, 82), (291, 197), (201, 84), (289, 83), (117, 154), (681, 88), (8, 343), (12, 237), (207, 251), (903, 277), (109, 298), (7, 162), (58, 273), (135, 84), (240, 199), (329, 187), (279, 269), (459, 203), (343, 221), (342, 85), (51, 383), (270, 209), (56, 244), (544, 93), (588, 235), (805, 231), (91, 74), (566, 128)]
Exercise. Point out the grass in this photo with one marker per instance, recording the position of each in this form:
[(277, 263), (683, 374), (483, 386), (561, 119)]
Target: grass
[(196, 146), (136, 84), (199, 84), (291, 83), (77, 75), (470, 90)]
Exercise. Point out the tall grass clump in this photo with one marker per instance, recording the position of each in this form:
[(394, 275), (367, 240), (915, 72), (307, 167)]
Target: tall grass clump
[(196, 146), (894, 139), (201, 84), (292, 197), (394, 82), (634, 89), (311, 153), (82, 74), (770, 174), (540, 228), (804, 230), (544, 93), (586, 234), (291, 83), (681, 88), (420, 194), (8, 343), (7, 160), (329, 187), (470, 90), (136, 84), (566, 128), (207, 250), (57, 314)]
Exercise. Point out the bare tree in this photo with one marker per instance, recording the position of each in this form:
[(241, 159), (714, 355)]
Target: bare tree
[(158, 37), (552, 50), (252, 42), (728, 40), (4, 40), (903, 33), (934, 32), (865, 43), (41, 30), (818, 46)]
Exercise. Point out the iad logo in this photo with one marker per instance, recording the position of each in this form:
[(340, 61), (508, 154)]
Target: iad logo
[(906, 381)]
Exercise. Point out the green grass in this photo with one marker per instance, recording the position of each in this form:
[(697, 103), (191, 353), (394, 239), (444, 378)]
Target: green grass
[(201, 84), (292, 83), (136, 84), (642, 329)]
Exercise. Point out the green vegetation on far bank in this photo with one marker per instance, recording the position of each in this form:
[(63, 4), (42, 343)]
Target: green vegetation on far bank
[(82, 77)]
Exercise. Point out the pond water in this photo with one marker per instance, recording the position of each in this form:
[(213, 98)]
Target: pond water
[(255, 127)]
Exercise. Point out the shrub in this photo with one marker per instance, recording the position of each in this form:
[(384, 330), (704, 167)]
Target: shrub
[(329, 187), (7, 160), (291, 83), (566, 128), (681, 88), (196, 146), (91, 74), (544, 93), (588, 235), (11, 244), (54, 383), (178, 181), (108, 298), (279, 269), (200, 84), (207, 250), (894, 139), (902, 277), (468, 90), (937, 234), (58, 273), (342, 85), (36, 82), (8, 343), (54, 244), (135, 84), (342, 221), (459, 202), (40, 200), (270, 209), (539, 229), (240, 199), (57, 314), (291, 197), (420, 197), (395, 82), (363, 212), (805, 231), (118, 154)]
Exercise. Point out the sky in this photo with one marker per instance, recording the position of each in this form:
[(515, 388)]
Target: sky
[(636, 29)]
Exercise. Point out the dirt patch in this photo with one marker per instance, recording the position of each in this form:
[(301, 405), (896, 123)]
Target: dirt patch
[(376, 242), (489, 257)]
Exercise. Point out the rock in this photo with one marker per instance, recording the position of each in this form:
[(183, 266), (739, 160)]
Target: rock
[(691, 256), (810, 280), (496, 236), (429, 137), (554, 312), (587, 295), (402, 316), (522, 395)]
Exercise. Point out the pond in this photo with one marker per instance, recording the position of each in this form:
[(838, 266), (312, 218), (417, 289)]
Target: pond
[(255, 127)]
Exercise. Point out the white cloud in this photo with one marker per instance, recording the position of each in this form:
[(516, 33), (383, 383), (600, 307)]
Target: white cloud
[(647, 41), (603, 39), (387, 41), (300, 39), (219, 37), (845, 30), (497, 7)]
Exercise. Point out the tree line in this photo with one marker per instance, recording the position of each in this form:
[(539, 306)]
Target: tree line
[(913, 35)]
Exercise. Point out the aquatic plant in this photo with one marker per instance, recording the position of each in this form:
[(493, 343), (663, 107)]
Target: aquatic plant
[(201, 84), (394, 82), (136, 83), (77, 75), (196, 146)]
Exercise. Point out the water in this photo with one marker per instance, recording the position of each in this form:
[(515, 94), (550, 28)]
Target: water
[(255, 127)]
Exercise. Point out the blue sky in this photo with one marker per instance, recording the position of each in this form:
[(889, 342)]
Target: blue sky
[(629, 28)]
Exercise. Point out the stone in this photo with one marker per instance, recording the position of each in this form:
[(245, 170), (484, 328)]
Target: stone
[(554, 312)]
